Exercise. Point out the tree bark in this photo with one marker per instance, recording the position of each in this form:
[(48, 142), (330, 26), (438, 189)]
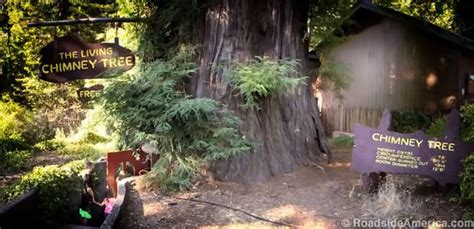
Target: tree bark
[(287, 127)]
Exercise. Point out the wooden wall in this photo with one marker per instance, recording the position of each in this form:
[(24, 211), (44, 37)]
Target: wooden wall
[(466, 67), (389, 66)]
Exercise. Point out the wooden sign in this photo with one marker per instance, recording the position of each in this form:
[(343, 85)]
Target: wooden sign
[(87, 94), (69, 58), (380, 150)]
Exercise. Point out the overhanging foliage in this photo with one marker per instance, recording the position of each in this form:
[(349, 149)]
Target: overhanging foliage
[(151, 106)]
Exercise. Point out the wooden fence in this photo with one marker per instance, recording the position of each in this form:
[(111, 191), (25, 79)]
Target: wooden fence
[(344, 118)]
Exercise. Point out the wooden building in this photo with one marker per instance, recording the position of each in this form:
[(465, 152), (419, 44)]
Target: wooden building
[(397, 62)]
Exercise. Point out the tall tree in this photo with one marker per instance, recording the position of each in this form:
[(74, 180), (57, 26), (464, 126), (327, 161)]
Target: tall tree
[(287, 126), (244, 34), (437, 12), (465, 18)]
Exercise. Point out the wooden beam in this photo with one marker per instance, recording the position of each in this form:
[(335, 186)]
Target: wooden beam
[(85, 21)]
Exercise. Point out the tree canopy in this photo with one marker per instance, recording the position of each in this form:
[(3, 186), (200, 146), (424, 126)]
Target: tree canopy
[(19, 45)]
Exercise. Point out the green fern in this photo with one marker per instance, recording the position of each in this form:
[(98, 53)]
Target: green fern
[(264, 77)]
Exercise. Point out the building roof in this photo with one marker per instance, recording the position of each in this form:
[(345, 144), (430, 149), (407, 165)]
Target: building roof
[(364, 13)]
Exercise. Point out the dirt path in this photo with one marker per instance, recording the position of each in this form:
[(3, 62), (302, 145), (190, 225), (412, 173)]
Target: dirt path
[(307, 198)]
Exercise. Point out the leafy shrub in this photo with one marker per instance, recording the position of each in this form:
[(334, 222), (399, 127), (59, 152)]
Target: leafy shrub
[(14, 155), (93, 138), (19, 123), (81, 151), (150, 107), (54, 183), (467, 176), (13, 119), (436, 128), (468, 216), (50, 145), (467, 115), (408, 121), (12, 144), (200, 134), (14, 160), (263, 77), (342, 141), (467, 180)]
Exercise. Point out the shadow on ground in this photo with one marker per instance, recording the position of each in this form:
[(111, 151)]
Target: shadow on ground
[(310, 197)]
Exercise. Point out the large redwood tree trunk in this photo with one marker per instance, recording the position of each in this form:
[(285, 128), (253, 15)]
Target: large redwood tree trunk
[(287, 128)]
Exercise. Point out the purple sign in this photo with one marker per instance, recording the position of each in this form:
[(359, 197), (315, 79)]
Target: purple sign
[(380, 150)]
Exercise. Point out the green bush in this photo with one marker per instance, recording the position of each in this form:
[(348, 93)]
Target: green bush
[(54, 183), (467, 180), (467, 185), (467, 129), (14, 155), (468, 216), (263, 77), (467, 177), (12, 144), (342, 141), (436, 128), (409, 121), (150, 107), (50, 145), (18, 122), (15, 160), (80, 151), (93, 138), (13, 120)]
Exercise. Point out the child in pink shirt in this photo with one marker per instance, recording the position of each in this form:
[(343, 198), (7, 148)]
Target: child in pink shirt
[(108, 202), (109, 205)]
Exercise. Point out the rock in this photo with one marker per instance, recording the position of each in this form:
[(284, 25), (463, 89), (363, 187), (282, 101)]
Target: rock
[(172, 203)]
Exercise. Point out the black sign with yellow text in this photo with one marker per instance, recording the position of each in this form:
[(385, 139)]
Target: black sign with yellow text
[(69, 58), (87, 94)]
